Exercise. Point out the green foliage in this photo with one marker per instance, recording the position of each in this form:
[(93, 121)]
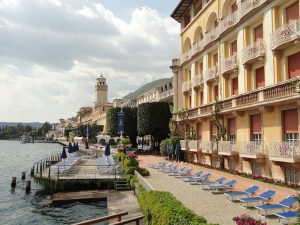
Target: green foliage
[(124, 141), (153, 119), (54, 186), (112, 121), (120, 156), (164, 147), (72, 135), (162, 208)]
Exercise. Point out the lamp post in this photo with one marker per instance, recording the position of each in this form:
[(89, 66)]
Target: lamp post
[(121, 123)]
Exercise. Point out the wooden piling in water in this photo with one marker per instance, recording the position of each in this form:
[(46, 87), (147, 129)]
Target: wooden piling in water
[(13, 182), (28, 186), (23, 175)]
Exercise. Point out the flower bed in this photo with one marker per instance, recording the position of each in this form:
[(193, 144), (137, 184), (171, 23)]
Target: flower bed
[(247, 220)]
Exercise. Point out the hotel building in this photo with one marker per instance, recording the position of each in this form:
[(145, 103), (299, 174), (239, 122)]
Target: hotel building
[(246, 55)]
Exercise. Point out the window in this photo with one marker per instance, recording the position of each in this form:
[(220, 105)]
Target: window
[(216, 92), (199, 131), (255, 128), (234, 48), (290, 125), (213, 132), (201, 67), (259, 33), (292, 13), (235, 86), (190, 101), (215, 59), (201, 98), (231, 123), (256, 168), (260, 77), (216, 23), (294, 65), (291, 174)]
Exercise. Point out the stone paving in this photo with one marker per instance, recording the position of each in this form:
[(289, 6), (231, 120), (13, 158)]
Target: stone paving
[(214, 207)]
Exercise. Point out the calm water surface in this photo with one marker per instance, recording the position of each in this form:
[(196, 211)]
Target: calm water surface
[(17, 208)]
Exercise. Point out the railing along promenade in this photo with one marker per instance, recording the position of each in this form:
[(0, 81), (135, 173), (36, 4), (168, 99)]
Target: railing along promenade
[(228, 22)]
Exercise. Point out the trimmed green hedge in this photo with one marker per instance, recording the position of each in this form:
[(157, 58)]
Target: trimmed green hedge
[(162, 208)]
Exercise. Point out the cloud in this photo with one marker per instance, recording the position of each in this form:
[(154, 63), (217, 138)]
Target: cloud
[(52, 51)]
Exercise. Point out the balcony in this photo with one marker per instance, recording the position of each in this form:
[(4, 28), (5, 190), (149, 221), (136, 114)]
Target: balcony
[(193, 145), (251, 149), (227, 148), (211, 74), (212, 35), (206, 109), (230, 64), (285, 36), (279, 91), (186, 56), (253, 52), (166, 94), (193, 112), (209, 147), (247, 99), (229, 21), (197, 81), (284, 152), (186, 86)]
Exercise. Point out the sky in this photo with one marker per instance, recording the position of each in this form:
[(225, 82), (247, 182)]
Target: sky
[(52, 51)]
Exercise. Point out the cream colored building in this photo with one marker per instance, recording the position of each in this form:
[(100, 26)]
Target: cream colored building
[(246, 54)]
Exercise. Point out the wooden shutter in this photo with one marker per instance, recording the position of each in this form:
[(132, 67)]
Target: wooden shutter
[(255, 124), (201, 98), (235, 86), (234, 7), (290, 121), (231, 126), (292, 12), (259, 33), (234, 48), (216, 92), (190, 101), (294, 65), (260, 77), (215, 58)]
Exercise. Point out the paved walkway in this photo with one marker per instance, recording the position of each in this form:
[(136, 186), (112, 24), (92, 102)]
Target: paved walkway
[(213, 207)]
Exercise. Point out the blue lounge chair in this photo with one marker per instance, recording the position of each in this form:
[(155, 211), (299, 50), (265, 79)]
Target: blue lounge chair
[(194, 180), (286, 215), (177, 172), (207, 183), (283, 204), (197, 174), (224, 187), (264, 197), (158, 165), (249, 191), (169, 168), (184, 173)]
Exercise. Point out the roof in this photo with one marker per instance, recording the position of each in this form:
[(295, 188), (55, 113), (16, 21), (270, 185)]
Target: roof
[(145, 88), (180, 9)]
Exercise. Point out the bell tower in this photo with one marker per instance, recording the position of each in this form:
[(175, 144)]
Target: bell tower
[(101, 91)]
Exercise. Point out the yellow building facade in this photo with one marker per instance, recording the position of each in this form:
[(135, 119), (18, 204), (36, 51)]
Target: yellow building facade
[(246, 55)]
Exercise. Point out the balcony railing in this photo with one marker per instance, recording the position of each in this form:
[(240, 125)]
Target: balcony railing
[(253, 52), (227, 148), (166, 94), (193, 112), (211, 74), (251, 149), (280, 91), (208, 147), (186, 86), (284, 151), (225, 24), (248, 99), (193, 145), (230, 64), (197, 81), (285, 35), (206, 109)]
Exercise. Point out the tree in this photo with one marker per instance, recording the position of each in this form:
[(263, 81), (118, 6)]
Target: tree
[(153, 119), (218, 122), (45, 128), (130, 123)]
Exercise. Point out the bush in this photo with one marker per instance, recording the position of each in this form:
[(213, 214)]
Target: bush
[(143, 171), (124, 142), (162, 208), (247, 220), (120, 156), (164, 147)]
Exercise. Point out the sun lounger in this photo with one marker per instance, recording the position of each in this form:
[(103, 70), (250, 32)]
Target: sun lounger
[(225, 187), (286, 215), (169, 167), (249, 191), (207, 183), (157, 165), (264, 197), (194, 180), (286, 203), (174, 173), (184, 173), (195, 175)]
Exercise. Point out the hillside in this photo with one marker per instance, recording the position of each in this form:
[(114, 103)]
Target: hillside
[(145, 88)]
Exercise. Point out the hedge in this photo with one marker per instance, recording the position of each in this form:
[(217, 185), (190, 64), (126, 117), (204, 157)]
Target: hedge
[(162, 208)]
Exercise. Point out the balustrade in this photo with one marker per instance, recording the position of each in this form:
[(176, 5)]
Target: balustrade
[(285, 34), (253, 51), (251, 149), (186, 86), (230, 64), (246, 100), (280, 91), (197, 81), (284, 151), (211, 73), (227, 148)]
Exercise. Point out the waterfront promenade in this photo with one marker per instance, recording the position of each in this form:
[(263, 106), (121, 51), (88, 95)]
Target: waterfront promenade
[(214, 207)]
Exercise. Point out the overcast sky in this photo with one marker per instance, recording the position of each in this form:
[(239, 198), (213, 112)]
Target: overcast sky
[(51, 52)]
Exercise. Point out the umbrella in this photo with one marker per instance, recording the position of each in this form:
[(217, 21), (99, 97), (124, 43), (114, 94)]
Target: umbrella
[(107, 150), (64, 154), (70, 148)]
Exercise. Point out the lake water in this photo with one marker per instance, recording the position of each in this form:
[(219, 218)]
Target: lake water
[(18, 208)]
